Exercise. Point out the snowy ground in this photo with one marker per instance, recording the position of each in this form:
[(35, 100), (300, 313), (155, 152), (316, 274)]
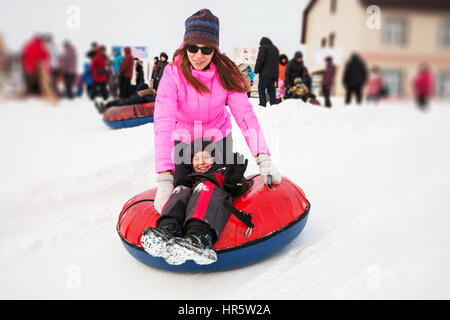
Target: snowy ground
[(378, 179)]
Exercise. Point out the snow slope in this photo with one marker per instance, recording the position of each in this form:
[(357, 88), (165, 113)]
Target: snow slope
[(378, 179)]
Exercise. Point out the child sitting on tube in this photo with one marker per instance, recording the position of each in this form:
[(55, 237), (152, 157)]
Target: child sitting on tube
[(195, 214)]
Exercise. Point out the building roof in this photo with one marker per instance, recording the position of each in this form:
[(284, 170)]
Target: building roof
[(410, 4), (402, 4)]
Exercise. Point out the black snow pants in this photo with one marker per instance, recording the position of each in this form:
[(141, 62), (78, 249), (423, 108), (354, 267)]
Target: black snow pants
[(204, 202)]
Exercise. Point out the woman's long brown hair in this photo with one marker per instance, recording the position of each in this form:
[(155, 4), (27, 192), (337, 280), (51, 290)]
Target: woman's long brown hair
[(230, 76)]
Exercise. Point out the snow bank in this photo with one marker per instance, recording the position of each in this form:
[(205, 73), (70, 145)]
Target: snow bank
[(378, 179)]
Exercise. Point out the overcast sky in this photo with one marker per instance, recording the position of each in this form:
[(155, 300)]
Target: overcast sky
[(159, 25)]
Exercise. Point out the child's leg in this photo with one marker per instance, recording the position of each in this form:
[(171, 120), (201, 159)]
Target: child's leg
[(175, 209), (207, 205), (169, 225)]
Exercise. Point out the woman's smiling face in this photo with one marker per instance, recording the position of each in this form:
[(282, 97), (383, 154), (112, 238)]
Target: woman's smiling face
[(199, 60)]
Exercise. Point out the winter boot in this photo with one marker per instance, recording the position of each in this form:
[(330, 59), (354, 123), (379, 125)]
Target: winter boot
[(193, 246), (99, 105), (154, 240)]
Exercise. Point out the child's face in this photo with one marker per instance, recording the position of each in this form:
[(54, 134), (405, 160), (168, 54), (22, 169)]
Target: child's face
[(202, 161)]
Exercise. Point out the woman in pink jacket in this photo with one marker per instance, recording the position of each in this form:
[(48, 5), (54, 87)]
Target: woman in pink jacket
[(191, 104)]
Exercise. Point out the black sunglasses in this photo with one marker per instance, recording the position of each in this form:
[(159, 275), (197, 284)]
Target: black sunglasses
[(192, 48)]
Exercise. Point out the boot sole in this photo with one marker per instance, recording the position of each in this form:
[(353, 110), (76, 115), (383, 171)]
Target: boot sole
[(154, 243), (181, 251)]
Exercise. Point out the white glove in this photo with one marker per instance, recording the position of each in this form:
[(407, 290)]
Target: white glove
[(266, 168), (165, 188)]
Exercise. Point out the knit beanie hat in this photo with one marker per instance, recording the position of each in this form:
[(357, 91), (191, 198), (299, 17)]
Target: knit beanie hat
[(163, 54), (202, 28)]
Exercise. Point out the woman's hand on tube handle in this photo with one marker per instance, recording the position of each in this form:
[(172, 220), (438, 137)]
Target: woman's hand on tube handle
[(266, 168)]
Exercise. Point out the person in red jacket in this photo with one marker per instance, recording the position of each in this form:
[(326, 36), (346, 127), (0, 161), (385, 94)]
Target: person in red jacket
[(423, 86), (34, 57), (99, 76), (126, 72)]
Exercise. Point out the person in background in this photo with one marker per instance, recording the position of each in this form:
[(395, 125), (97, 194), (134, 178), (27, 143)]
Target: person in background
[(87, 80), (4, 66), (92, 51), (144, 94), (35, 58), (54, 61), (68, 68), (155, 61), (99, 74), (374, 85), (297, 69), (267, 68), (140, 78), (281, 87), (133, 82), (117, 59), (423, 85), (159, 71), (126, 72), (112, 78), (354, 79), (328, 80), (250, 75)]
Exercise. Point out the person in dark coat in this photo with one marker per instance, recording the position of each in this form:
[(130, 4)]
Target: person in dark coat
[(126, 72), (159, 70), (93, 51), (267, 68), (140, 72), (355, 77), (155, 61), (297, 69), (328, 80), (144, 94), (195, 214)]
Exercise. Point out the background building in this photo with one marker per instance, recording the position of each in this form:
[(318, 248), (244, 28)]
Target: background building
[(396, 35)]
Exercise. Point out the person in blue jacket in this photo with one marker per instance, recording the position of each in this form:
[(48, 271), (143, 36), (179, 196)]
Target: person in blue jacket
[(250, 74), (87, 79), (117, 60)]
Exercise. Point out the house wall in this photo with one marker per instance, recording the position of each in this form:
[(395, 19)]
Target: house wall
[(349, 24)]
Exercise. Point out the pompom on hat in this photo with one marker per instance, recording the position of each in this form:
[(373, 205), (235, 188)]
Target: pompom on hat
[(202, 28)]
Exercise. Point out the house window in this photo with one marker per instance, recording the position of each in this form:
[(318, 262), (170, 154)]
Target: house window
[(333, 6), (323, 43), (443, 84), (445, 35), (393, 80), (331, 40), (394, 31)]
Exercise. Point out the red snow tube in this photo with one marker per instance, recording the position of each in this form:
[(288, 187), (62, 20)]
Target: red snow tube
[(279, 215), (129, 116)]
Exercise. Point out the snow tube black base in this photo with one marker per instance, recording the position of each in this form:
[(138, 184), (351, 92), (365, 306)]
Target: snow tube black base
[(254, 252)]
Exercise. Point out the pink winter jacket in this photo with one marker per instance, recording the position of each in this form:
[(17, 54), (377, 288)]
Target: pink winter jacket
[(183, 114)]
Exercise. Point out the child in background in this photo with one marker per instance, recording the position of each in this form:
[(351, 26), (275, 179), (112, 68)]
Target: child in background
[(374, 85), (281, 87), (250, 74)]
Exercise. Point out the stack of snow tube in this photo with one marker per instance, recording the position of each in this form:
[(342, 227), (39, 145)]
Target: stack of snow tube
[(279, 214), (129, 116)]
